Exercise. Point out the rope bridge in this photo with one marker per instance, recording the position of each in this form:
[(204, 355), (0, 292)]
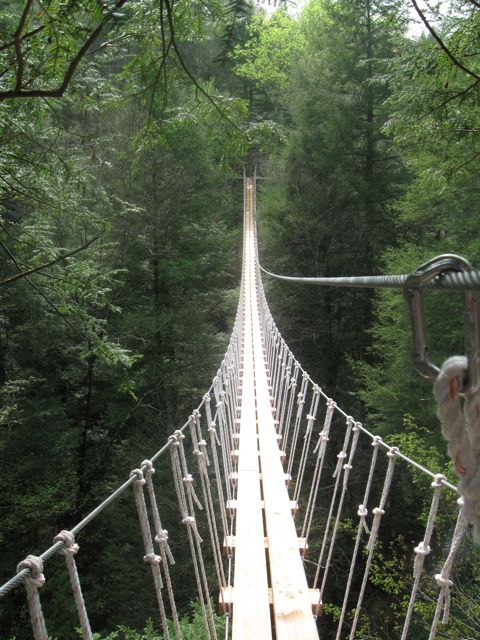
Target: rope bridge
[(264, 471)]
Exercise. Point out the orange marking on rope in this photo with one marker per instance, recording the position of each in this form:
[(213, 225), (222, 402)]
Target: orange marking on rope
[(452, 388), (459, 467)]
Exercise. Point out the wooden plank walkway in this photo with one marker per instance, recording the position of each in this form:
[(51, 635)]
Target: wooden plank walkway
[(251, 601), (270, 595)]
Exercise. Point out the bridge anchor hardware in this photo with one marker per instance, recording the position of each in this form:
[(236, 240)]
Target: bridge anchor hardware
[(414, 284)]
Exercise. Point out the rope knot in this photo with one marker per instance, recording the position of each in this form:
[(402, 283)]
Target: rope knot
[(189, 521), (443, 583), (188, 478), (149, 468), (422, 549), (342, 455), (70, 547), (377, 440), (152, 558), (438, 480), (362, 511), (348, 467), (174, 441), (202, 443), (392, 452), (311, 418), (138, 475), (206, 398), (162, 537), (378, 512), (35, 565)]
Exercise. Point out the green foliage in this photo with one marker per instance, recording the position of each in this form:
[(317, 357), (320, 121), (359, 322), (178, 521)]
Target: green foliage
[(192, 628)]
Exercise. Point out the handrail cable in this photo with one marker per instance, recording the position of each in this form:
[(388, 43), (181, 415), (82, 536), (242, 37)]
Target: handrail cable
[(451, 281)]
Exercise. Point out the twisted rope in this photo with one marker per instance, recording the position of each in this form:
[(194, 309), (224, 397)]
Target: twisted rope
[(150, 556), (462, 432), (69, 551), (33, 581)]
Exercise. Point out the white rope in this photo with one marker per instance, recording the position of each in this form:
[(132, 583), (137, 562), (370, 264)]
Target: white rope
[(362, 526), (443, 578), (33, 582), (189, 522), (311, 417), (282, 401), (422, 551), (214, 443), (462, 431), (346, 474), (378, 512), (301, 399), (320, 449), (161, 538), (150, 556), (187, 499), (69, 550), (291, 400), (200, 453), (337, 475)]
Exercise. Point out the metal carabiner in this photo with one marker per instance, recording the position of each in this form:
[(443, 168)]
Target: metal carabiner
[(414, 284)]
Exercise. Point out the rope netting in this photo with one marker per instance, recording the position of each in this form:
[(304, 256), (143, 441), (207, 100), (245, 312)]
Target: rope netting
[(345, 480)]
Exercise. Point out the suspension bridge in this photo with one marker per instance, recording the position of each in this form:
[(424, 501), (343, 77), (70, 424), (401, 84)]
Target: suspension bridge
[(262, 472)]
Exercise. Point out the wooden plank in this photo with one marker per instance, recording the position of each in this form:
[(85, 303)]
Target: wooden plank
[(252, 610), (232, 506), (231, 542), (227, 600), (291, 597), (233, 477)]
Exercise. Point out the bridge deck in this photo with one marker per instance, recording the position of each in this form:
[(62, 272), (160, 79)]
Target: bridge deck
[(280, 577)]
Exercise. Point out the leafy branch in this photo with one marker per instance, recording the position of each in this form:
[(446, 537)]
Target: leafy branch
[(20, 90), (441, 44), (46, 265)]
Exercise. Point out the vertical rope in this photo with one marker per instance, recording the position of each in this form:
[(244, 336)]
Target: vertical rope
[(33, 582), (301, 399), (282, 400), (362, 526), (311, 417), (346, 474), (200, 452), (320, 449), (291, 400), (443, 578), (214, 443), (150, 556), (337, 475), (69, 550), (422, 550), (378, 512), (161, 537), (190, 522)]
